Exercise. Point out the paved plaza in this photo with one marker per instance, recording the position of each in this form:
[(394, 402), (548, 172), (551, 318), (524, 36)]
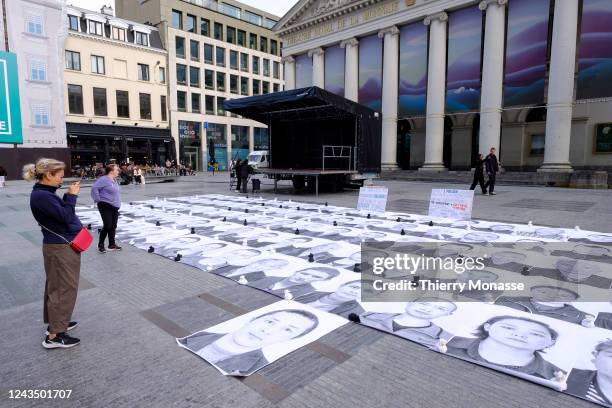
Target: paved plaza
[(132, 305)]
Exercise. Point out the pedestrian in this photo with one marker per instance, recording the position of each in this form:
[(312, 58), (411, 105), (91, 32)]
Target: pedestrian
[(237, 169), (137, 175), (59, 225), (244, 174), (479, 174), (492, 166), (3, 172), (106, 194)]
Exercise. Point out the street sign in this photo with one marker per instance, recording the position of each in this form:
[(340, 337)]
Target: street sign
[(10, 112)]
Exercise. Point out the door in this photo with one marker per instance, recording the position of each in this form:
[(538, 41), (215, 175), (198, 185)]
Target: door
[(192, 157)]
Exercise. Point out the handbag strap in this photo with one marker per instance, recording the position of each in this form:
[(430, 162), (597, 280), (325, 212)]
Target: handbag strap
[(55, 233)]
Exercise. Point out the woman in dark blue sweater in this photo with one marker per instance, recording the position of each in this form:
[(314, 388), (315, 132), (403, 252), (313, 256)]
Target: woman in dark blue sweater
[(59, 225)]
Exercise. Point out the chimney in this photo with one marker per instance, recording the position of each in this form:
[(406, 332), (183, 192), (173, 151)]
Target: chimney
[(108, 10)]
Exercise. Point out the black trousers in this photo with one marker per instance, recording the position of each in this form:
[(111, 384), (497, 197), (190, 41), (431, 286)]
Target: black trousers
[(491, 182), (244, 184), (479, 179), (109, 215), (238, 183)]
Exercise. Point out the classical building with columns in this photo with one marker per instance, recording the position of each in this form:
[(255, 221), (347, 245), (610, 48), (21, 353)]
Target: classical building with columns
[(453, 78)]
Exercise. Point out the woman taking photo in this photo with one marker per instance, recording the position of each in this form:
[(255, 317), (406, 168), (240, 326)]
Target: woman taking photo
[(105, 192), (59, 225)]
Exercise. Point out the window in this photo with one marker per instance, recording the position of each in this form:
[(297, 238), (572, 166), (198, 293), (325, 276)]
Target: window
[(208, 54), (177, 20), (244, 62), (230, 34), (275, 87), (221, 81), (244, 86), (218, 31), (205, 27), (195, 102), (164, 108), (141, 38), (253, 41), (194, 50), (266, 87), (41, 114), (95, 28), (255, 65), (97, 64), (119, 34), (73, 23), (229, 10), (252, 17), (162, 75), (537, 145), (220, 109), (209, 79), (194, 76), (220, 56), (210, 104), (269, 23), (143, 72), (234, 84), (263, 44), (73, 60), (181, 101), (180, 47), (145, 106), (233, 59), (99, 102), (75, 99), (242, 38), (34, 24), (192, 23), (276, 69), (181, 74), (266, 67), (123, 104), (256, 89), (273, 47)]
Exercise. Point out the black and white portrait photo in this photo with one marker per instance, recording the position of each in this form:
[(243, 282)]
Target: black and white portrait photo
[(247, 343), (592, 380), (343, 301), (298, 283)]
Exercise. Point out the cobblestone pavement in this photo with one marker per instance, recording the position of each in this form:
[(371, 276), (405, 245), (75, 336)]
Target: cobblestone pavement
[(131, 305)]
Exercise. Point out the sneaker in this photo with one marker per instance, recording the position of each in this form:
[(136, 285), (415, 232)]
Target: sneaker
[(62, 340), (491, 193), (114, 248), (101, 250), (71, 326)]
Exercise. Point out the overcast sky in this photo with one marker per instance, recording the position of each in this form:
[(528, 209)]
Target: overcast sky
[(278, 7)]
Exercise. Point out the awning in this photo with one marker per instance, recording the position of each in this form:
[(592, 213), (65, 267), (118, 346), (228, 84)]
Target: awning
[(111, 131)]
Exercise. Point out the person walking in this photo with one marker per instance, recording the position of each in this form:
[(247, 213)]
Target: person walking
[(59, 225), (237, 169), (244, 174), (137, 175), (106, 194), (492, 166), (479, 174)]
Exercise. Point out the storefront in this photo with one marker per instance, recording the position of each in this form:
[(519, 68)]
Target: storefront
[(190, 144), (217, 142)]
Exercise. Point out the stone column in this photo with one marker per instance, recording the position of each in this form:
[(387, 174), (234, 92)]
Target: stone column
[(318, 67), (561, 88), (436, 92), (390, 86), (251, 138), (351, 69), (289, 64), (492, 74)]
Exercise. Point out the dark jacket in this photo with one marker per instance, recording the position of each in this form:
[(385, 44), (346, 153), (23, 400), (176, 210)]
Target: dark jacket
[(245, 169), (479, 166), (492, 164), (54, 213)]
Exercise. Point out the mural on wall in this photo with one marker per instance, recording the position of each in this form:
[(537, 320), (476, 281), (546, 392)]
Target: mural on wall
[(464, 45), (334, 70), (413, 70), (303, 71), (595, 53), (526, 48), (370, 71)]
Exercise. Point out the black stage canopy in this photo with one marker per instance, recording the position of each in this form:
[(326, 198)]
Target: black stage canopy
[(301, 121)]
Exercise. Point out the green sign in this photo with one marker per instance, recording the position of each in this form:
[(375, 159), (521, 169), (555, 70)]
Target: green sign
[(603, 138), (10, 112)]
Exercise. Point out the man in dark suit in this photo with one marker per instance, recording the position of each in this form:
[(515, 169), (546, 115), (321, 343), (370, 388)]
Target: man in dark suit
[(239, 353), (492, 167), (594, 385), (298, 284), (342, 302)]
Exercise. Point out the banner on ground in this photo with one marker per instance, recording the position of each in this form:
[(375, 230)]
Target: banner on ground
[(373, 199), (448, 203)]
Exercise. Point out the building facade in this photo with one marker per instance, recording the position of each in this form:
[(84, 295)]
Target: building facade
[(456, 77), (216, 51), (116, 105), (35, 31)]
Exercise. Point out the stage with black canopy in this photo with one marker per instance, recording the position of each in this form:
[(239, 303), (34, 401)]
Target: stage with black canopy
[(301, 121)]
